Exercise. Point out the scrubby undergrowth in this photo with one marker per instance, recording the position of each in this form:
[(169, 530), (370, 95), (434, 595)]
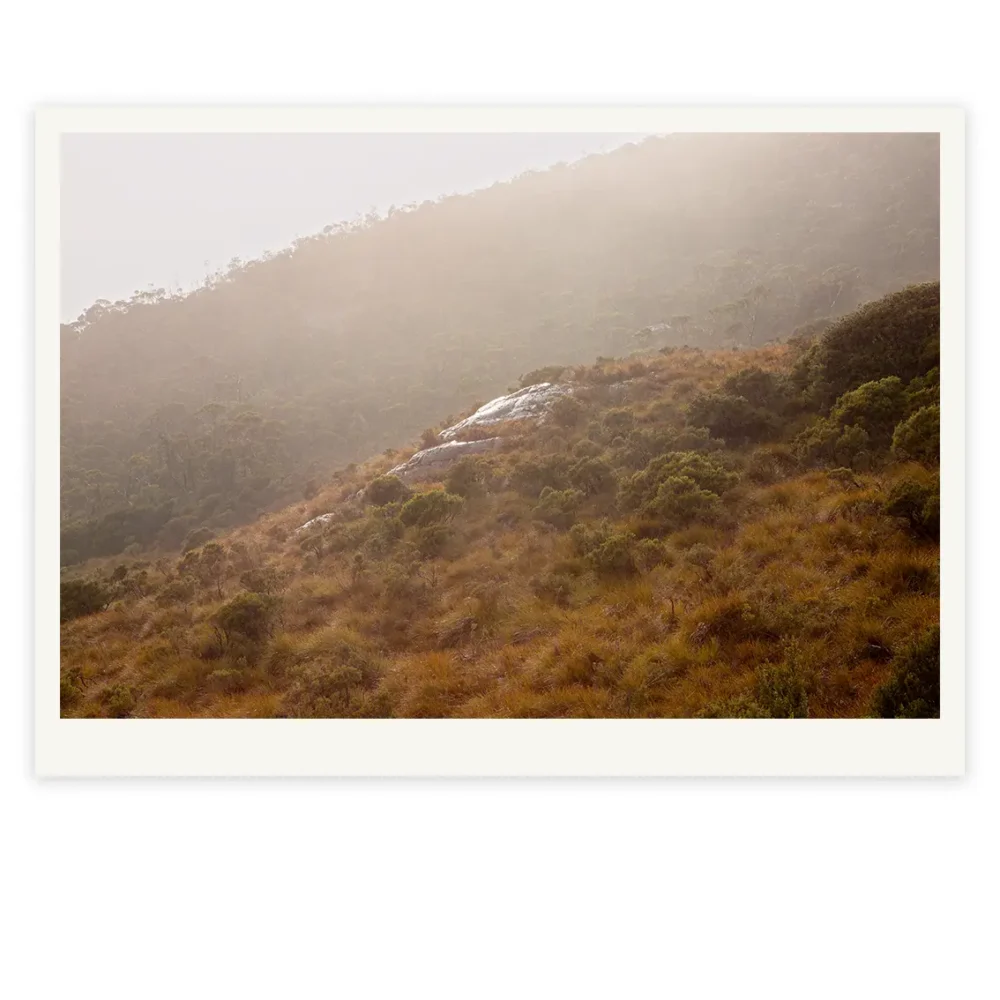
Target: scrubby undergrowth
[(718, 534)]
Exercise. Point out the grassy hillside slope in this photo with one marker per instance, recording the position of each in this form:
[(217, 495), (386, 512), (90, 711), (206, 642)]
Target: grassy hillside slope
[(690, 533), (200, 412)]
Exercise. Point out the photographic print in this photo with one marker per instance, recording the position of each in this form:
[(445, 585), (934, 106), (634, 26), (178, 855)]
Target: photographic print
[(425, 442)]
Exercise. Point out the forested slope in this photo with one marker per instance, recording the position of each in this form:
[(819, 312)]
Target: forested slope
[(199, 412), (686, 533)]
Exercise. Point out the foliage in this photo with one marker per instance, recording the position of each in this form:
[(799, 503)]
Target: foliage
[(431, 508), (913, 689), (78, 598), (385, 490), (919, 436), (918, 503), (558, 507), (894, 336)]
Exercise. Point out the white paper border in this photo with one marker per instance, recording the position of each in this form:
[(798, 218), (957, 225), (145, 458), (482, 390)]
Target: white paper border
[(536, 747)]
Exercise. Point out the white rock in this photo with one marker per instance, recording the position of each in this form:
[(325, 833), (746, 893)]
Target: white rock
[(430, 462), (532, 401)]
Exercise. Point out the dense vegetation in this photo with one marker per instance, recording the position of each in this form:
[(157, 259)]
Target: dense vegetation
[(715, 533), (185, 416)]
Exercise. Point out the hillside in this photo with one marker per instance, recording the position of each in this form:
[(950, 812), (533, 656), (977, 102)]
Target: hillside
[(197, 413), (690, 532)]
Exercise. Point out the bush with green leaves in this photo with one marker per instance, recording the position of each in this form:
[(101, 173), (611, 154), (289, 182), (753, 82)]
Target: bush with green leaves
[(433, 507), (875, 407), (566, 411), (924, 390), (896, 335), (78, 598), (244, 624), (919, 436), (779, 692), (531, 476), (606, 550), (825, 442), (468, 477), (732, 418), (675, 487), (679, 501), (385, 490), (558, 507), (918, 503), (592, 476), (913, 691), (617, 421)]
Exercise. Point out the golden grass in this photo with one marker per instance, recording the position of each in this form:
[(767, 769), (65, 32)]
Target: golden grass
[(509, 622)]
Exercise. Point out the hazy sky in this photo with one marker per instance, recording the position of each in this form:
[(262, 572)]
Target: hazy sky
[(140, 210)]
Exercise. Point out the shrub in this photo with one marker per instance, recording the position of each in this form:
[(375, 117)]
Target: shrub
[(592, 476), (245, 624), (679, 501), (433, 507), (913, 691), (780, 691), (606, 551), (896, 335), (917, 503), (468, 477), (385, 490), (919, 436), (875, 407), (530, 477), (557, 507), (78, 598), (431, 539), (733, 418), (824, 442), (617, 421), (566, 411), (704, 472), (264, 580), (119, 701)]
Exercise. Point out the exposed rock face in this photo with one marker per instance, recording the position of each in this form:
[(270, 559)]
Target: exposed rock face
[(431, 462), (315, 522), (532, 401)]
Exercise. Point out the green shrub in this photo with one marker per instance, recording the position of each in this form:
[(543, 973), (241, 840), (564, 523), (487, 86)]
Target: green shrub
[(558, 507), (919, 436), (567, 411), (245, 623), (896, 335), (433, 507), (679, 501), (468, 477), (385, 490), (592, 476), (78, 598), (875, 407), (914, 689), (918, 503), (617, 421), (733, 418), (119, 701), (704, 472), (605, 550), (531, 476)]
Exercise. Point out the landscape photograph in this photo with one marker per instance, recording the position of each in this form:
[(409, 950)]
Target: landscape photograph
[(500, 425)]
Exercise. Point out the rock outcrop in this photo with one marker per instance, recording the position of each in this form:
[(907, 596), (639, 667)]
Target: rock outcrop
[(532, 401), (431, 462)]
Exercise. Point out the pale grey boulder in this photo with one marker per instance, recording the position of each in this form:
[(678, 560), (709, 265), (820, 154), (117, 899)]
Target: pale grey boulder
[(531, 402)]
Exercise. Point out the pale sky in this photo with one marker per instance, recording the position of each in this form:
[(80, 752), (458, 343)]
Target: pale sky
[(151, 209)]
